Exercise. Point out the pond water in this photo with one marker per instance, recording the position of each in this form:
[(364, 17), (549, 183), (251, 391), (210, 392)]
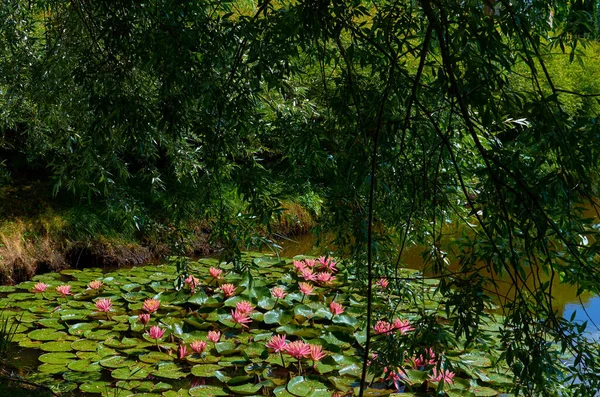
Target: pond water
[(586, 306)]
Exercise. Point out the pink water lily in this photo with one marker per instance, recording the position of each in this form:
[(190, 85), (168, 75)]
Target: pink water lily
[(278, 293), (277, 343), (429, 359), (240, 318), (305, 288), (64, 290), (151, 305), (336, 309), (310, 262), (307, 274), (144, 318), (96, 284), (182, 351), (298, 349), (215, 273), (327, 264), (382, 283), (40, 287), (228, 290), (214, 336), (104, 305), (244, 307), (324, 278), (198, 346), (383, 327), (192, 282), (444, 375), (299, 265), (316, 353), (156, 332), (403, 326)]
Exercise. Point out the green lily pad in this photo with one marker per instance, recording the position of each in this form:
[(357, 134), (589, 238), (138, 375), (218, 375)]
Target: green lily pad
[(278, 316), (116, 362), (57, 358), (95, 387), (52, 368), (155, 357), (46, 334), (58, 346), (85, 345), (225, 347), (134, 372), (84, 366), (169, 371), (302, 386), (246, 388), (205, 370), (208, 391), (82, 377)]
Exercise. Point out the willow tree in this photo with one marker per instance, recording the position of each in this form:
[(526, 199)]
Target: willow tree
[(404, 115)]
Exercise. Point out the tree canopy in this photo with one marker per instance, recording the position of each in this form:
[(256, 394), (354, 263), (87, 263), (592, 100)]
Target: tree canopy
[(403, 115)]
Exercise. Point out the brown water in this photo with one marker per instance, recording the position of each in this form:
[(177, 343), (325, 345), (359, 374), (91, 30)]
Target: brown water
[(565, 299)]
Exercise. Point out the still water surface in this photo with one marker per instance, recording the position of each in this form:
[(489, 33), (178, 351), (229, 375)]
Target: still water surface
[(566, 302)]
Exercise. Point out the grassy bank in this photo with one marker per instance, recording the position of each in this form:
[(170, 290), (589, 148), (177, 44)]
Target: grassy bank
[(39, 233)]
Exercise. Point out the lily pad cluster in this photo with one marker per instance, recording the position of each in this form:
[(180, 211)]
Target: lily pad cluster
[(281, 327)]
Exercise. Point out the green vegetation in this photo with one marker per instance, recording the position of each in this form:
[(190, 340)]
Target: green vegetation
[(146, 124), (240, 332)]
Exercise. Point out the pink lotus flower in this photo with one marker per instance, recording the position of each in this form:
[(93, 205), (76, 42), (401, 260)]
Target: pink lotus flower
[(96, 284), (324, 278), (228, 290), (305, 288), (307, 274), (382, 282), (278, 293), (244, 307), (444, 375), (394, 376), (156, 332), (316, 352), (327, 264), (298, 349), (277, 343), (336, 308), (182, 351), (192, 282), (198, 346), (310, 262), (151, 305), (104, 305), (214, 336), (215, 273), (403, 326), (39, 287), (383, 327), (422, 361), (299, 265), (240, 318), (144, 318), (64, 290)]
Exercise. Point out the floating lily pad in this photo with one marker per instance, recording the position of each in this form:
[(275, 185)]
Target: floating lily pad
[(302, 386), (205, 370), (57, 346), (208, 391), (116, 362), (85, 345), (57, 358), (134, 372), (82, 377), (84, 366), (52, 368), (246, 388), (94, 387), (46, 334), (169, 371)]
